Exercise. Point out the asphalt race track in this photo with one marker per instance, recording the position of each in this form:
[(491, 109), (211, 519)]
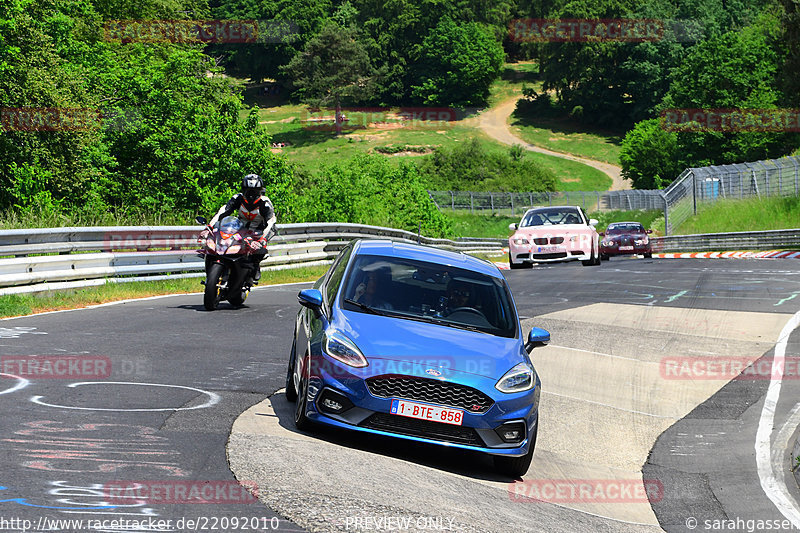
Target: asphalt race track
[(179, 397)]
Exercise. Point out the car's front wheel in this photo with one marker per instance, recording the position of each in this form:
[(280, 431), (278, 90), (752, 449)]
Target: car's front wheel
[(301, 421), (516, 467)]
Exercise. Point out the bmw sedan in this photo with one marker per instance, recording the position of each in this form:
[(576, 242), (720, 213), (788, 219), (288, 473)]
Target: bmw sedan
[(553, 234), (417, 343), (625, 238)]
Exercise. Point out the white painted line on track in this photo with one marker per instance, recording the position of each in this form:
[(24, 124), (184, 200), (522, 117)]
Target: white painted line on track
[(21, 383), (772, 481), (213, 398)]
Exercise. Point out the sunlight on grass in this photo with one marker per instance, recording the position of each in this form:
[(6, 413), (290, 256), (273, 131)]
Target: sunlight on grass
[(744, 215)]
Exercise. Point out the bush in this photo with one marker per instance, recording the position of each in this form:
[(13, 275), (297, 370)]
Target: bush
[(469, 166), (370, 190)]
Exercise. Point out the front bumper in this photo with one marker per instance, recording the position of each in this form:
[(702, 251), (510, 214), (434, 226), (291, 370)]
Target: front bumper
[(371, 414)]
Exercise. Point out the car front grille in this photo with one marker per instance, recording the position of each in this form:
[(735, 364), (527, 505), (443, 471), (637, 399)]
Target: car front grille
[(556, 240), (430, 391), (540, 240), (558, 255), (423, 428)]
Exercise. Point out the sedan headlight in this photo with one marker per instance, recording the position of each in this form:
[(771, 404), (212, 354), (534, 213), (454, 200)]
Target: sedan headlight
[(518, 379), (608, 243), (519, 240), (341, 348), (639, 242)]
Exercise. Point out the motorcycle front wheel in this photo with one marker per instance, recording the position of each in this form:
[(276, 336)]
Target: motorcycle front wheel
[(213, 294)]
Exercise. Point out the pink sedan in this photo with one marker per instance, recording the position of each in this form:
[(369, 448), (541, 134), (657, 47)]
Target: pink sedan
[(554, 234)]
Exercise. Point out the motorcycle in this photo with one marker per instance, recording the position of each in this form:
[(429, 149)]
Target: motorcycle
[(230, 268)]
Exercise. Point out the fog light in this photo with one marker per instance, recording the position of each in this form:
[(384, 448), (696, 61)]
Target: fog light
[(511, 431), (333, 402)]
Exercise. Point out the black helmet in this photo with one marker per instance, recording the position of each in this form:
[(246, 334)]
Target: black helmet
[(252, 188)]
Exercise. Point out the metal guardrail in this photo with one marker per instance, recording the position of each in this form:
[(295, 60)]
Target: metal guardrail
[(723, 242), (33, 260)]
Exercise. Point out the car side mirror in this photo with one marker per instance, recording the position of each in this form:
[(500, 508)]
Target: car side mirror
[(513, 227), (593, 222), (201, 220), (537, 337), (649, 231), (312, 299), (602, 233)]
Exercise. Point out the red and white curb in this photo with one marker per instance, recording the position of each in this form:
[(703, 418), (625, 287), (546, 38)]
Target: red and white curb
[(770, 254)]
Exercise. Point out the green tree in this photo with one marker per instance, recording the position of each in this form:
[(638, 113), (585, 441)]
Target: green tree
[(456, 64), (649, 155), (333, 68)]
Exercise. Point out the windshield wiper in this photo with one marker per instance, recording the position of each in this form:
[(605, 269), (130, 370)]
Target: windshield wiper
[(365, 307), (451, 324)]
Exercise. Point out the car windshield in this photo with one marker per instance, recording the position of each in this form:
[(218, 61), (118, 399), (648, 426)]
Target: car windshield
[(548, 216), (625, 228), (429, 292)]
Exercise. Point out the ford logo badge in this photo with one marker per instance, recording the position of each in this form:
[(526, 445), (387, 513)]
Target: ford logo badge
[(433, 372)]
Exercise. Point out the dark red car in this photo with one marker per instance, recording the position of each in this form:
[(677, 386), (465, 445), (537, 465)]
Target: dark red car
[(625, 238)]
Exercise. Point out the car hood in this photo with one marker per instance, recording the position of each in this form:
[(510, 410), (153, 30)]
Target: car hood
[(401, 346), (555, 229), (625, 236)]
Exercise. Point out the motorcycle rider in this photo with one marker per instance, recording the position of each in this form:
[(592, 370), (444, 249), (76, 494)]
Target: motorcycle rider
[(254, 209)]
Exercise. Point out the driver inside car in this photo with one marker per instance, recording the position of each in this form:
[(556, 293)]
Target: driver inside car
[(459, 294)]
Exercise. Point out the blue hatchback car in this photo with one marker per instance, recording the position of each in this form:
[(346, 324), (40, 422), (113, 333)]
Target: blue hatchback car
[(417, 343)]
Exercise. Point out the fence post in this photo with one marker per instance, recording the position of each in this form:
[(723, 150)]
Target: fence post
[(549, 198), (666, 214), (530, 197), (694, 194), (471, 204), (452, 201), (512, 203), (491, 199), (583, 195)]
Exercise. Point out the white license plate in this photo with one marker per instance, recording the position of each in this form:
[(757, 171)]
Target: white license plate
[(549, 249), (423, 411), (626, 247)]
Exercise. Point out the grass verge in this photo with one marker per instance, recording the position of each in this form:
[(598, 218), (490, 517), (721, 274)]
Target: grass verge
[(25, 304), (752, 214)]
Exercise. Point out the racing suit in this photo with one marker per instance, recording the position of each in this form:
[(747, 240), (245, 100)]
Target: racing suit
[(259, 218)]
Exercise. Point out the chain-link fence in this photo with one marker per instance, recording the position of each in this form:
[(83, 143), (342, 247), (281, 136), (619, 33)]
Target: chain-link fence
[(679, 201), (695, 186)]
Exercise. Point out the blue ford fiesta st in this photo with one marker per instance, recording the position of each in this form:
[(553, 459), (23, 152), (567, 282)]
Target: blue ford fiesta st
[(417, 343)]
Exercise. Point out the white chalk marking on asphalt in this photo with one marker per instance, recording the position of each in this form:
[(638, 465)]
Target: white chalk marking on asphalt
[(213, 398), (607, 354), (609, 405), (772, 483), (21, 383)]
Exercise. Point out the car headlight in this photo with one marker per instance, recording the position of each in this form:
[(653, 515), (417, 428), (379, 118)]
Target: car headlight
[(341, 348), (639, 242), (518, 379), (519, 240), (608, 243), (573, 238)]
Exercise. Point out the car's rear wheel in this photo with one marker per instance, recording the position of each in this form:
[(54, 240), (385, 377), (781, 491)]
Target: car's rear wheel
[(592, 261), (516, 467), (291, 392), (301, 421)]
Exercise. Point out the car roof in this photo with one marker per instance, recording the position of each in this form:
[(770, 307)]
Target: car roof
[(426, 253), (551, 207)]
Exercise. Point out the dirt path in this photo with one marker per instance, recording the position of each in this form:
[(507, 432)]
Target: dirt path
[(494, 122)]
